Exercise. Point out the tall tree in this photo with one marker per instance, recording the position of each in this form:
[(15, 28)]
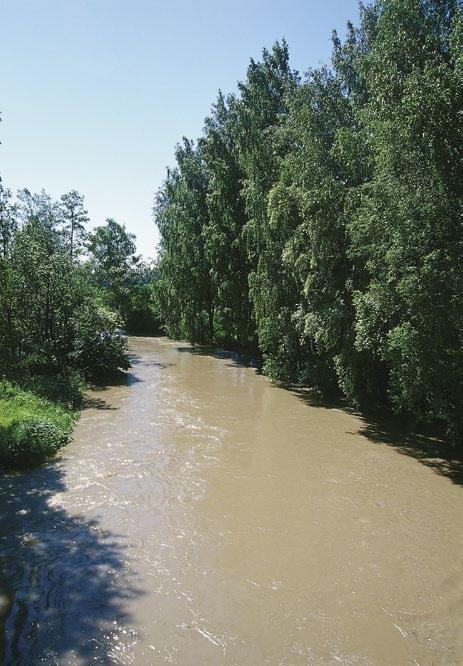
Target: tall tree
[(307, 217), (225, 244), (406, 237), (74, 217), (113, 261), (185, 288), (8, 222), (260, 112)]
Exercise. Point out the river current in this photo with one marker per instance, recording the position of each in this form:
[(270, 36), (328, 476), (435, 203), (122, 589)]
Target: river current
[(202, 515)]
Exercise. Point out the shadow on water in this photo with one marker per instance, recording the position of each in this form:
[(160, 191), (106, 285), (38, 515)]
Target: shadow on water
[(91, 402), (429, 449), (153, 364), (94, 402), (403, 434), (121, 379), (236, 359), (135, 359), (64, 584), (377, 425)]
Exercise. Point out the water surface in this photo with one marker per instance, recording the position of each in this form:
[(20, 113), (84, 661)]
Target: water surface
[(202, 515)]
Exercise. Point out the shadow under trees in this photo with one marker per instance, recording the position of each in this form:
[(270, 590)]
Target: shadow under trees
[(424, 442), (378, 425), (64, 584)]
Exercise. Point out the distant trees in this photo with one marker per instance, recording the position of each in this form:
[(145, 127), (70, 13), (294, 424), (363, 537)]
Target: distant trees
[(112, 249), (319, 220), (124, 281), (112, 261)]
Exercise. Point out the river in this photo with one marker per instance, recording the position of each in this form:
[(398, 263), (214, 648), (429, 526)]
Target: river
[(202, 515)]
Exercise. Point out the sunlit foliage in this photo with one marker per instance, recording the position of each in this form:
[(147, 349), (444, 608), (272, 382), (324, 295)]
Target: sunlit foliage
[(318, 219)]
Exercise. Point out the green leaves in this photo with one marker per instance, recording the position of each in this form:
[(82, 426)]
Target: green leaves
[(31, 427), (46, 295), (322, 218), (74, 217), (98, 350)]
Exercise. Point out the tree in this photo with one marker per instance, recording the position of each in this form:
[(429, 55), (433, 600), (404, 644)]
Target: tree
[(113, 262), (8, 223), (322, 218), (405, 228), (307, 221), (224, 242), (260, 112), (111, 245), (47, 293), (184, 290), (40, 207), (74, 217)]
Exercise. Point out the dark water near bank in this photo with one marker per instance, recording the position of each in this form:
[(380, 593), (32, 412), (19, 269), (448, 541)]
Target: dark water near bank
[(203, 516)]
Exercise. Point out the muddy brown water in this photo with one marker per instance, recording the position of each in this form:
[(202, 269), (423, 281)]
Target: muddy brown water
[(202, 515)]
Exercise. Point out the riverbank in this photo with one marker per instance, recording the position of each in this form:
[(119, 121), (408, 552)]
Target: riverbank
[(32, 424)]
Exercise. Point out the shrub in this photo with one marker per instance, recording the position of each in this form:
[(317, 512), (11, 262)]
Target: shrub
[(31, 427), (99, 348), (31, 440), (66, 388)]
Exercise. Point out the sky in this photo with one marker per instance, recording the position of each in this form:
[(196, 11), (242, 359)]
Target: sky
[(94, 94)]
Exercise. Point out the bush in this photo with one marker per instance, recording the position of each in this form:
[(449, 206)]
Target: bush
[(31, 427), (31, 440), (99, 348), (66, 388)]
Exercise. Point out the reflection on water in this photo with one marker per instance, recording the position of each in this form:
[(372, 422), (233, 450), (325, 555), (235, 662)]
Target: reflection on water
[(203, 516)]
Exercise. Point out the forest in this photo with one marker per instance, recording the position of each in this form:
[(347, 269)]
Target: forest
[(317, 221)]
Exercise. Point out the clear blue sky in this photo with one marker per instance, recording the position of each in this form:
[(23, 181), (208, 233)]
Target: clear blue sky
[(94, 94)]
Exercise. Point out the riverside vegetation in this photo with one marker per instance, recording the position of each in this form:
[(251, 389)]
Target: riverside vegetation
[(59, 316), (316, 223), (318, 219)]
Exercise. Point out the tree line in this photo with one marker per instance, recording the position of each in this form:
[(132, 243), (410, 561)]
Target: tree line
[(318, 218), (65, 292)]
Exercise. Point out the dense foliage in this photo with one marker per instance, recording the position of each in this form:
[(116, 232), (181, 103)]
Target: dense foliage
[(31, 427), (55, 329), (318, 220), (123, 280), (50, 320)]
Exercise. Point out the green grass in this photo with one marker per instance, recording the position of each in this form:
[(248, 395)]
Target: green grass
[(32, 427)]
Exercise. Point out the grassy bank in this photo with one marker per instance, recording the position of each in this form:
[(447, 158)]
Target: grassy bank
[(36, 419)]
